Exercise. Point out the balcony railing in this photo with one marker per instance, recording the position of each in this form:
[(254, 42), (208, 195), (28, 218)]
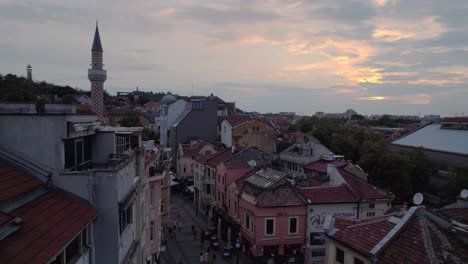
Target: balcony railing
[(112, 162)]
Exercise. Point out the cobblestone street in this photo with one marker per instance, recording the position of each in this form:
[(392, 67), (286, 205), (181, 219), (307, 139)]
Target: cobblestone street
[(184, 247)]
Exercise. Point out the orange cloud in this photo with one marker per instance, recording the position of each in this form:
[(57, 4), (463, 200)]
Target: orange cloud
[(164, 11), (375, 98), (419, 99), (390, 35), (391, 30)]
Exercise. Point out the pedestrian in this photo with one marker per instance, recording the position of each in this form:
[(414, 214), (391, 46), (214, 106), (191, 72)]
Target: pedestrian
[(193, 229), (178, 217), (202, 258), (174, 224), (170, 231), (205, 258), (179, 223)]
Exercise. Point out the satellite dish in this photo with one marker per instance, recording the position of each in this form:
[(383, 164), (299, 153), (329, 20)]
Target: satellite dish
[(418, 198), (464, 193)]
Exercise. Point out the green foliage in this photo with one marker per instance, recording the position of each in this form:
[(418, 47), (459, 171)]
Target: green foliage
[(149, 134), (19, 89), (385, 121), (458, 180), (40, 107), (131, 119)]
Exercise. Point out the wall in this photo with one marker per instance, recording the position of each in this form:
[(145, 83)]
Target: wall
[(443, 160), (248, 127), (259, 140), (168, 115), (380, 207), (107, 224), (226, 134), (198, 124), (349, 254), (315, 218), (281, 215), (26, 134), (103, 145)]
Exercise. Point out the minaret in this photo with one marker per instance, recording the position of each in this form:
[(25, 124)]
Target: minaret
[(29, 71), (97, 76)]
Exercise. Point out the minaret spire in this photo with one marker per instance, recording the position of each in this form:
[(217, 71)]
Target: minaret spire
[(97, 75)]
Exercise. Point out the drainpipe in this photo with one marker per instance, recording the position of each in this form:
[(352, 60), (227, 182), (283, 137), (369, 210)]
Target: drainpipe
[(92, 237)]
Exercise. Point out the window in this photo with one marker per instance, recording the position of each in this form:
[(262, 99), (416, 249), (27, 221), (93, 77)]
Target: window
[(161, 207), (78, 153), (229, 203), (122, 143), (293, 225), (371, 206), (162, 183), (126, 216), (339, 256), (152, 171), (269, 226), (152, 230), (370, 214), (151, 195), (247, 221), (235, 207), (185, 168), (358, 261), (197, 105), (222, 180)]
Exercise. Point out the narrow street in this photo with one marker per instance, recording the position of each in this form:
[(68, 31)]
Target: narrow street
[(184, 247)]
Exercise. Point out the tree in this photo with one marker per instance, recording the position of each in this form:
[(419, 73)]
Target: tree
[(131, 119), (458, 180)]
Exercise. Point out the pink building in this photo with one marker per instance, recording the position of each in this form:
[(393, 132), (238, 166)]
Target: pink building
[(154, 174), (272, 215), (227, 173)]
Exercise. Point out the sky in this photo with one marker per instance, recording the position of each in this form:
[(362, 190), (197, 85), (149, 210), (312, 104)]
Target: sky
[(376, 56)]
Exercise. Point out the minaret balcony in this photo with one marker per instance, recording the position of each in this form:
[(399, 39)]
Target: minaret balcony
[(97, 75)]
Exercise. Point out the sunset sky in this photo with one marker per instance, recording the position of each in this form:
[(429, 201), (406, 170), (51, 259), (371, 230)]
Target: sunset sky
[(381, 56)]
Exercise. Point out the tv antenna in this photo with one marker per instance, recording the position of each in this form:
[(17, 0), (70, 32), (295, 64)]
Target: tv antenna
[(464, 193), (418, 198)]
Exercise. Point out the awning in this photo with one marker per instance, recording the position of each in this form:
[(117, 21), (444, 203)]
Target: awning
[(173, 183)]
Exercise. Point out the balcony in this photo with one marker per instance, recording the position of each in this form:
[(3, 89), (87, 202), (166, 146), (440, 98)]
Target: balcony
[(114, 162)]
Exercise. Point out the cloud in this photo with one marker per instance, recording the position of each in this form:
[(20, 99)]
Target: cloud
[(215, 16), (344, 11)]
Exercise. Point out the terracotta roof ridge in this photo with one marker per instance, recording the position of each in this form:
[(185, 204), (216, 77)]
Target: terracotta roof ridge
[(395, 230)]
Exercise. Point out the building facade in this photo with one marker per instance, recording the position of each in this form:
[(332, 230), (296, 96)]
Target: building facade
[(102, 165)]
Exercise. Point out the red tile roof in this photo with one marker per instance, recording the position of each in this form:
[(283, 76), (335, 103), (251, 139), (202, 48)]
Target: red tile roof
[(463, 119), (234, 120), (237, 165), (193, 150), (321, 165), (329, 194), (415, 241), (362, 235), (283, 195), (49, 221), (224, 155), (14, 182), (363, 189), (457, 214)]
